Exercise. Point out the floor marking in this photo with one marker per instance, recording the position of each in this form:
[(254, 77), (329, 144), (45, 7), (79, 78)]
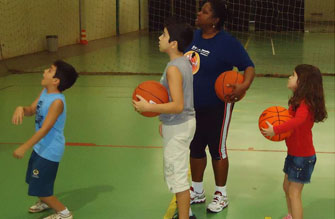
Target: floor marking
[(273, 48), (247, 43)]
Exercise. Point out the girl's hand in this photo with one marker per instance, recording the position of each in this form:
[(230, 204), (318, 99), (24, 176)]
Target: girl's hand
[(268, 131), (18, 115), (142, 105), (19, 152)]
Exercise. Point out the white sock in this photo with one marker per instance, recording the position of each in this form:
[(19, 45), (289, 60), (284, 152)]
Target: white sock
[(65, 212), (222, 189), (198, 187), (190, 212)]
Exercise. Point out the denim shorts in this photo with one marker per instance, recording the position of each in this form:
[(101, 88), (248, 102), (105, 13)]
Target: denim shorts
[(299, 169)]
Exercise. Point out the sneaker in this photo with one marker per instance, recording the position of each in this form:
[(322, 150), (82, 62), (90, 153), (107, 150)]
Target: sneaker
[(218, 203), (288, 217), (59, 216), (38, 207), (197, 198), (175, 216)]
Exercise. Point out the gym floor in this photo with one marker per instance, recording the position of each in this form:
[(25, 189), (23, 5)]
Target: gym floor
[(112, 166)]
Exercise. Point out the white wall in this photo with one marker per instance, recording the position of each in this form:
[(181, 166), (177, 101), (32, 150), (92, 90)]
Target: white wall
[(129, 16), (99, 18), (144, 14), (25, 23), (322, 10)]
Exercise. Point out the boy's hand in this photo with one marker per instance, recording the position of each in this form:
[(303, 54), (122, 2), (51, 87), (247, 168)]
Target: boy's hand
[(268, 131), (142, 105), (18, 115), (19, 152)]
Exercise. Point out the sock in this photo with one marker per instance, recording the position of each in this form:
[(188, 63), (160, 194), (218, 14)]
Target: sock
[(198, 187), (65, 212), (221, 189), (190, 212)]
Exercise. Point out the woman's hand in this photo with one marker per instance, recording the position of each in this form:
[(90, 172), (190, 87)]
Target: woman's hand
[(238, 92)]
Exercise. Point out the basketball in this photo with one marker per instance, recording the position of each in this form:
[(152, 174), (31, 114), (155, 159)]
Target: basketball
[(154, 92), (227, 77), (275, 115)]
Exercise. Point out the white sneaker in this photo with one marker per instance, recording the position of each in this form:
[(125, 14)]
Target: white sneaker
[(59, 216), (197, 198), (38, 207), (218, 203)]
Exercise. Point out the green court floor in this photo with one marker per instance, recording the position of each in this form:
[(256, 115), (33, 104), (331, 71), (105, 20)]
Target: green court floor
[(112, 166)]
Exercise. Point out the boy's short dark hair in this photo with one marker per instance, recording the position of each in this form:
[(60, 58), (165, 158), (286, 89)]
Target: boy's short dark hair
[(179, 31), (66, 74)]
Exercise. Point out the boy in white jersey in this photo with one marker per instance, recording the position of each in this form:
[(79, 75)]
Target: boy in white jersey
[(48, 140), (177, 116)]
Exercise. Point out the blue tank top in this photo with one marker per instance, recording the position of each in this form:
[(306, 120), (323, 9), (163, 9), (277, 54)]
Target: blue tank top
[(52, 146)]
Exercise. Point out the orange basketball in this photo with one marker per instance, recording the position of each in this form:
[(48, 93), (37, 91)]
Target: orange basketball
[(275, 115), (154, 92), (227, 77)]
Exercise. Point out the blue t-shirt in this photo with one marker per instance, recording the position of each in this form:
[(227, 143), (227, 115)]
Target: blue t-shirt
[(209, 58), (52, 145)]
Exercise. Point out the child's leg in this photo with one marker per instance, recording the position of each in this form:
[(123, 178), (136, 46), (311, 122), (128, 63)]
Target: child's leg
[(183, 204), (295, 190), (53, 203), (286, 184)]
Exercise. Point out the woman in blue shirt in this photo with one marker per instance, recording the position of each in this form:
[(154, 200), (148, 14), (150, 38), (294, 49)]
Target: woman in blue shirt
[(212, 52)]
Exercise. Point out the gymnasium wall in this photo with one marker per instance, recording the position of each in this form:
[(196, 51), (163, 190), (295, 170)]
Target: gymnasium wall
[(25, 23), (99, 18), (323, 10)]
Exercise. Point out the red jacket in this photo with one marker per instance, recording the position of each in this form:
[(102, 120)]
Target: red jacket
[(300, 143)]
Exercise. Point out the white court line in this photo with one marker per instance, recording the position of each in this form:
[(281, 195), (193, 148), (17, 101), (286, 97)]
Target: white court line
[(273, 48)]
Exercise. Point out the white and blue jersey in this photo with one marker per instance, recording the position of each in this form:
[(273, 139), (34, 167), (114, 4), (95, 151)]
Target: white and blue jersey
[(52, 146)]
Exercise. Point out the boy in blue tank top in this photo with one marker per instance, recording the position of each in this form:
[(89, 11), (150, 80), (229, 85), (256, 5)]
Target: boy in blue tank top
[(177, 116), (48, 142)]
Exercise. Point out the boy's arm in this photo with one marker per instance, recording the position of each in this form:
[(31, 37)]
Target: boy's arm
[(22, 111), (55, 109), (176, 105)]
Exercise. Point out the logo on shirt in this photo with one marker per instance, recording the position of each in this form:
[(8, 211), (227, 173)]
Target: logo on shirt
[(35, 173), (200, 51), (39, 116), (194, 59)]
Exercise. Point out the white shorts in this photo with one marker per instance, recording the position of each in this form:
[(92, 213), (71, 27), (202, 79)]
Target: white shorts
[(176, 147)]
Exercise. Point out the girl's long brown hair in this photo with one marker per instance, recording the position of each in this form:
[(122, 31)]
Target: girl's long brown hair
[(309, 89)]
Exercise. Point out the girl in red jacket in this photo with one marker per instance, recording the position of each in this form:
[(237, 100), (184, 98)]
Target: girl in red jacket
[(307, 105)]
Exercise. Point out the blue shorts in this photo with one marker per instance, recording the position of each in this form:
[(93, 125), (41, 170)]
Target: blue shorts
[(299, 169), (41, 175)]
